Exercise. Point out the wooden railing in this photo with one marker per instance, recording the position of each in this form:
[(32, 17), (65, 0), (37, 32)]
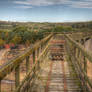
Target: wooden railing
[(38, 50), (79, 57)]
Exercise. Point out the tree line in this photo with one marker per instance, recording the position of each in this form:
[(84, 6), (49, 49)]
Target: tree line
[(20, 35), (23, 35)]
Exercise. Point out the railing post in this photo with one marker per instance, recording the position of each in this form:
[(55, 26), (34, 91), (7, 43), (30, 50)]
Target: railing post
[(85, 69), (27, 64), (85, 65), (27, 70), (41, 47), (17, 76), (77, 52), (74, 51), (82, 41), (33, 56), (37, 52), (80, 57), (0, 85)]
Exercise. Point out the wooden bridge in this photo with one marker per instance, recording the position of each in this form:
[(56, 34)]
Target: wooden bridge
[(58, 63)]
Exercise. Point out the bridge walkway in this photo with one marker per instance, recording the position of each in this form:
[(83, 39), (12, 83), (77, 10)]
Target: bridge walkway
[(62, 77)]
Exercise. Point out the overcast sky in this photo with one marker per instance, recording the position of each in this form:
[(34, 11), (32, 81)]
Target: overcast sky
[(46, 10)]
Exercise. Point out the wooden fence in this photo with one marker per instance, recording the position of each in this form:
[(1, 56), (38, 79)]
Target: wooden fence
[(38, 50)]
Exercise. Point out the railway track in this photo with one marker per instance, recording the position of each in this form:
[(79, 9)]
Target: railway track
[(60, 77)]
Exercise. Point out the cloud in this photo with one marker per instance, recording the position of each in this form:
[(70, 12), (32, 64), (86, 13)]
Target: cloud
[(81, 4), (24, 7), (42, 2), (70, 3)]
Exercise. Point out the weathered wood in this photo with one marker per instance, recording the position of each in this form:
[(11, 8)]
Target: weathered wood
[(77, 66), (27, 64), (80, 58), (30, 74), (10, 65), (17, 76), (76, 60), (41, 47), (34, 57), (37, 52), (85, 64), (85, 70), (78, 53), (81, 48), (85, 77), (0, 85)]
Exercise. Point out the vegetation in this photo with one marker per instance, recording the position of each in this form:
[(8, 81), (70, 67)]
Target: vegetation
[(19, 35), (29, 32)]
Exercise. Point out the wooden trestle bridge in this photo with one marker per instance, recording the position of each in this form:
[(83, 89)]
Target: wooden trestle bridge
[(58, 63)]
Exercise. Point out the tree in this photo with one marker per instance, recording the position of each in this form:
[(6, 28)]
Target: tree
[(20, 29), (68, 28), (2, 42), (59, 29), (16, 39)]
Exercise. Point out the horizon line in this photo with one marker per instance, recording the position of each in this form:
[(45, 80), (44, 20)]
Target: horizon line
[(47, 21)]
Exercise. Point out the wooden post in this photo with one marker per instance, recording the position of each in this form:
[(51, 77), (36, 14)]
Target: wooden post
[(85, 64), (27, 64), (27, 70), (17, 76), (37, 52), (34, 57), (79, 41), (76, 52), (41, 47), (34, 62), (0, 85), (80, 57), (85, 69), (82, 41)]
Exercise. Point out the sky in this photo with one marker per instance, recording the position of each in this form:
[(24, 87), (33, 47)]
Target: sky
[(46, 10)]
